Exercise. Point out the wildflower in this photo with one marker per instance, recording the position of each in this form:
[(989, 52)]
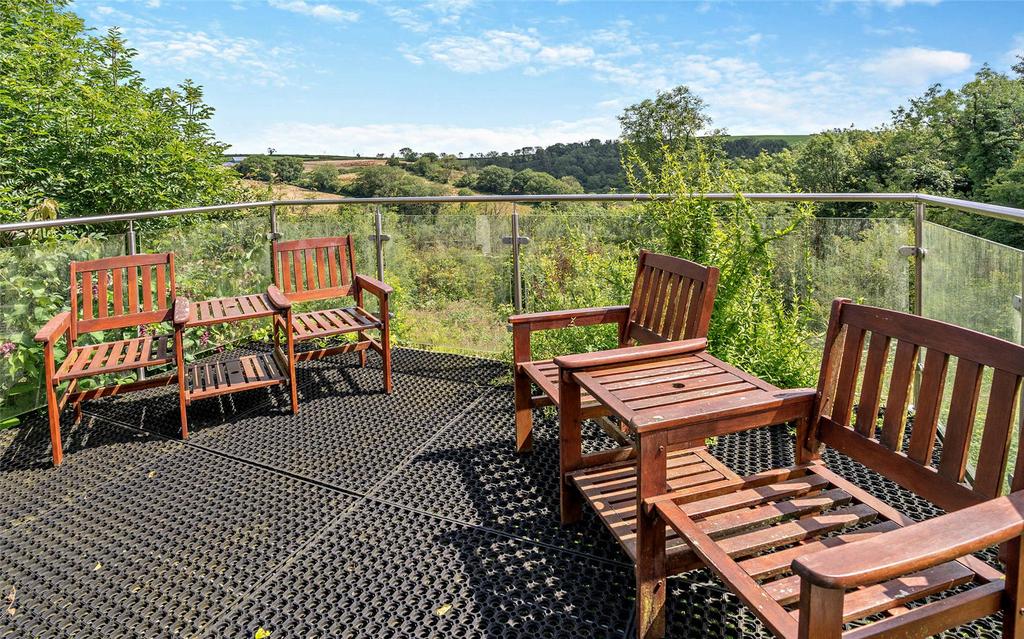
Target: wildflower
[(204, 339), (143, 331), (7, 348)]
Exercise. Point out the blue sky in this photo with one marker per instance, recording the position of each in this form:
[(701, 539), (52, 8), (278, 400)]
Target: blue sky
[(319, 76)]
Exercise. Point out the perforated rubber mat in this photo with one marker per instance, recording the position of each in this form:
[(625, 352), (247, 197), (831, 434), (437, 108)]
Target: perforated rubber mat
[(365, 515)]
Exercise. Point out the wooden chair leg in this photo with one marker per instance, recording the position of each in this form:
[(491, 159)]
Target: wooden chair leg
[(651, 572), (1013, 598), (385, 344), (179, 353), (821, 612), (524, 413), (78, 412), (570, 447), (53, 412), (362, 354), (290, 339)]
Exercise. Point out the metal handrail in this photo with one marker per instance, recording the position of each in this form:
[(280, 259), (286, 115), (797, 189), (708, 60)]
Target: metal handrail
[(980, 208)]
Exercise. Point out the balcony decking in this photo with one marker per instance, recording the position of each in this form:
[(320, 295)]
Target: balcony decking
[(364, 515)]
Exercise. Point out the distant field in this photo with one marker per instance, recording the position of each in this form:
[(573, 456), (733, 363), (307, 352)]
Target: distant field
[(342, 163), (288, 191)]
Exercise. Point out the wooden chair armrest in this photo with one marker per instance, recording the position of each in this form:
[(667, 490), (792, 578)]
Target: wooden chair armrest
[(55, 328), (181, 311), (575, 317), (375, 286), (630, 354), (915, 547), (277, 298)]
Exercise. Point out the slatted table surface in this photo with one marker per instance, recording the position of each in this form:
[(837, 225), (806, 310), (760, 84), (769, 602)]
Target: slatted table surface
[(231, 309), (233, 375), (683, 390)]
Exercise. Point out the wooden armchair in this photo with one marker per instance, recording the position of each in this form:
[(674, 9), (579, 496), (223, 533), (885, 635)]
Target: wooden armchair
[(777, 539), (672, 301), (325, 268), (108, 294)]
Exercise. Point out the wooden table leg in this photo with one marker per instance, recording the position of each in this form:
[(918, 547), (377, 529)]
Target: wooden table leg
[(651, 577), (570, 446)]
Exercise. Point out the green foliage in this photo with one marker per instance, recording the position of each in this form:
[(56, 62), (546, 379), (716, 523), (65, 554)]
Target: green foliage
[(1007, 185), (494, 179), (287, 168), (753, 326), (323, 177), (257, 167), (671, 121), (77, 124), (34, 288)]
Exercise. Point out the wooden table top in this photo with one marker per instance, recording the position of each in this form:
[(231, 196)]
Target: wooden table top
[(688, 389), (225, 310)]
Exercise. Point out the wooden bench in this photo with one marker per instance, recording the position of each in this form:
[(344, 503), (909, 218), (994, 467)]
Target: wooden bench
[(108, 294), (808, 551), (319, 269), (672, 300)]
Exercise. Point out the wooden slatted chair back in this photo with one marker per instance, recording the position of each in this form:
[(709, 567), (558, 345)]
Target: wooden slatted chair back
[(672, 300), (860, 344), (315, 268), (118, 292)]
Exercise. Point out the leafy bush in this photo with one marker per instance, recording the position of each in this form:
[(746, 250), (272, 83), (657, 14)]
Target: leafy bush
[(753, 326), (78, 125)]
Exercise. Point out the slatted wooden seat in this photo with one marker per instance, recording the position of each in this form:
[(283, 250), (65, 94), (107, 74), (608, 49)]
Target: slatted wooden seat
[(672, 301), (111, 294), (113, 357), (336, 321), (318, 269), (809, 551)]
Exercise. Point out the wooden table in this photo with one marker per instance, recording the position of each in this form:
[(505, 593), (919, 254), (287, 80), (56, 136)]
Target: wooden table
[(238, 374), (670, 406)]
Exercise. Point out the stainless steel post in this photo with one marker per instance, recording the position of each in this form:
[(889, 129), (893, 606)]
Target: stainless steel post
[(919, 253), (517, 275), (130, 248), (378, 221), (273, 236)]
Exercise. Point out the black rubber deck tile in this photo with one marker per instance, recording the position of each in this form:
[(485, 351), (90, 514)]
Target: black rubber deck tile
[(348, 432), (95, 452), (161, 550), (470, 472), (388, 572)]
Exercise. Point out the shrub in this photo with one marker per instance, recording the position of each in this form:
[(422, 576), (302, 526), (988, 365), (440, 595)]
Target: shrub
[(753, 326)]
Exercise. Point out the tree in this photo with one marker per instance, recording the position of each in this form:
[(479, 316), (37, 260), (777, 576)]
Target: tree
[(494, 179), (324, 177), (288, 168), (256, 167), (407, 154), (673, 119), (79, 126)]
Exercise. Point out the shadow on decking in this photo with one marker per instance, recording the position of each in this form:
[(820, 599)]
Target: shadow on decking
[(364, 515)]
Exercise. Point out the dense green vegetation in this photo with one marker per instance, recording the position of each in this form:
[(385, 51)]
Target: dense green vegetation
[(80, 132)]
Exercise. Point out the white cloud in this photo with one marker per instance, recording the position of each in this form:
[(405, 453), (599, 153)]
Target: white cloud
[(896, 4), (407, 19), (493, 51), (916, 65), (319, 11), (753, 39), (216, 55), (889, 31), (304, 137), (1016, 49), (567, 55)]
